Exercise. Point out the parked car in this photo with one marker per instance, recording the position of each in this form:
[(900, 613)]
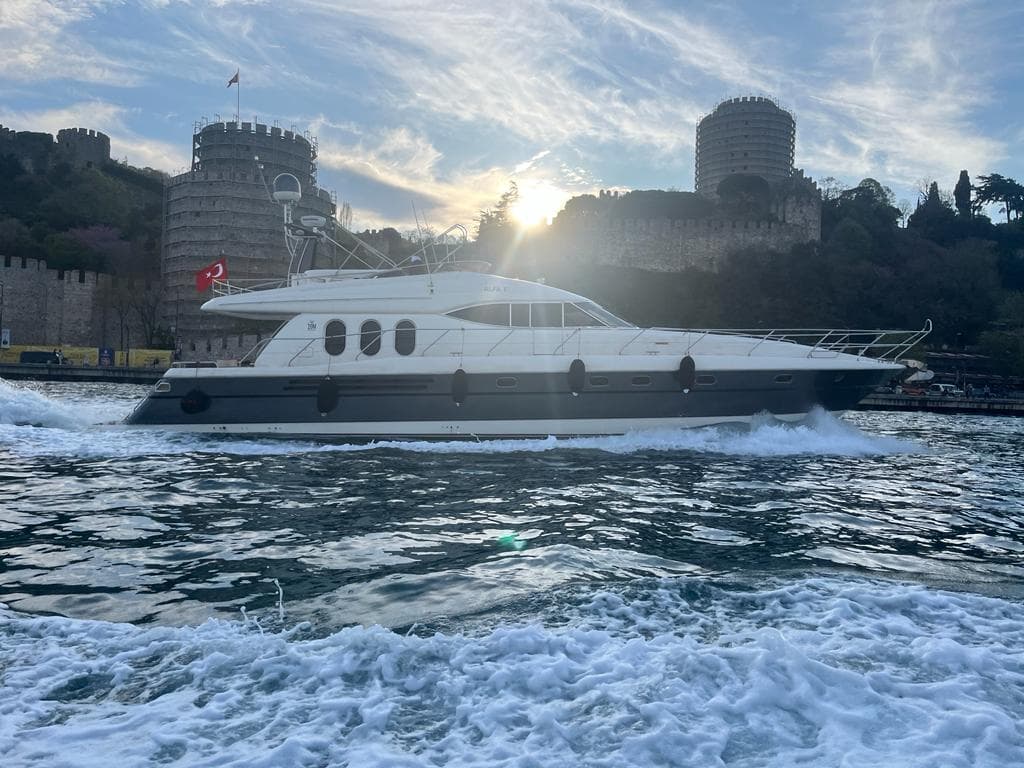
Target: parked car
[(914, 390), (39, 357), (945, 390)]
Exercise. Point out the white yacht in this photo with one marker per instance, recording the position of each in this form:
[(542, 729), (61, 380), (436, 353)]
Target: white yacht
[(434, 348)]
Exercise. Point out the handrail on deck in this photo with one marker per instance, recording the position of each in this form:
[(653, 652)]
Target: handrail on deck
[(874, 343)]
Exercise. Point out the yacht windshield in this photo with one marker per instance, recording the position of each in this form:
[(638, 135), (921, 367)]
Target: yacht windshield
[(603, 315)]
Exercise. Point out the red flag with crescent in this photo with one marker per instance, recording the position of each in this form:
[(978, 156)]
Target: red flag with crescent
[(216, 271)]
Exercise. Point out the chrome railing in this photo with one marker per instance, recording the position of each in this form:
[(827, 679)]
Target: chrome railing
[(872, 342), (245, 285), (489, 342)]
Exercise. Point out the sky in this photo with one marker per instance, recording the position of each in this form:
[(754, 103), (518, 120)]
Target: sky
[(437, 106)]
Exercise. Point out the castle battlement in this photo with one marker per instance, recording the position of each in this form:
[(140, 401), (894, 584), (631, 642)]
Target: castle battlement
[(13, 266), (254, 129), (69, 134), (36, 151)]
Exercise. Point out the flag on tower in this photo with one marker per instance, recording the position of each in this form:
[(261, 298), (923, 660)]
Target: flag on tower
[(234, 78), (207, 275)]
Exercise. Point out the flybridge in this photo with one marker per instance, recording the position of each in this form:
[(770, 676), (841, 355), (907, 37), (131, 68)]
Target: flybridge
[(301, 235)]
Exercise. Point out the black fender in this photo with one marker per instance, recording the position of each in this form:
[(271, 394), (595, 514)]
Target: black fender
[(326, 396), (577, 376), (460, 386), (687, 373)]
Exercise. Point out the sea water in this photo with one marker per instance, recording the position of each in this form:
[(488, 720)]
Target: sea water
[(843, 592)]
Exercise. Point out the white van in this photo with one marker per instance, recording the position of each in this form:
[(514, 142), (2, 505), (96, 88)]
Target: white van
[(945, 390)]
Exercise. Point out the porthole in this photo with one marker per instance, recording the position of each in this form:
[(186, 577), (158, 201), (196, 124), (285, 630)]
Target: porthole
[(784, 378), (507, 382), (599, 381), (369, 337), (706, 380), (334, 338), (641, 381), (162, 386), (405, 337)]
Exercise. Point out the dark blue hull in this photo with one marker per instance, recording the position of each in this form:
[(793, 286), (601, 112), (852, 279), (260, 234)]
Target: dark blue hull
[(352, 405)]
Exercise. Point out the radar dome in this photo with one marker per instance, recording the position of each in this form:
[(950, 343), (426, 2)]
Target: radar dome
[(287, 189), (313, 222)]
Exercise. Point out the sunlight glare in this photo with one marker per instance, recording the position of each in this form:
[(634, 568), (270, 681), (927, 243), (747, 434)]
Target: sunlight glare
[(539, 202)]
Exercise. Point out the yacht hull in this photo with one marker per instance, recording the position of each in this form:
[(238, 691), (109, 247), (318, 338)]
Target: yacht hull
[(492, 405)]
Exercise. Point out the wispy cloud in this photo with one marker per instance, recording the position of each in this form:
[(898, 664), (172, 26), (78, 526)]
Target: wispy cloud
[(38, 41), (407, 163), (550, 73), (445, 104), (907, 81)]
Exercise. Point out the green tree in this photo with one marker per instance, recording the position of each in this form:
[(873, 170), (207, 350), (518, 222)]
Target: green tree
[(492, 222), (933, 218), (496, 233), (1000, 189), (962, 195)]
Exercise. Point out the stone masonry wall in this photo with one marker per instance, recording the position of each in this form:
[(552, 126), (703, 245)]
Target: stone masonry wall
[(81, 147), (57, 308), (665, 245)]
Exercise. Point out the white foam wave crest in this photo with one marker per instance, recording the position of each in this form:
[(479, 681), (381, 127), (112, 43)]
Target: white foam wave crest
[(812, 672), (20, 405)]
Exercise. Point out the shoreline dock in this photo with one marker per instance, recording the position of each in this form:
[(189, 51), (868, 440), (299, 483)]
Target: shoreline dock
[(44, 372), (990, 406)]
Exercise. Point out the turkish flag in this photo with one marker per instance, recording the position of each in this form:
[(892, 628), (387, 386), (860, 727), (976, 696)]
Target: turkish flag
[(216, 271)]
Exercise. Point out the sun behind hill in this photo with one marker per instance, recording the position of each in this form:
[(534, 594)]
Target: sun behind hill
[(538, 203)]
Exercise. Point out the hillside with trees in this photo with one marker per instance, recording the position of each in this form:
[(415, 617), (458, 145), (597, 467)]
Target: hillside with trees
[(105, 219)]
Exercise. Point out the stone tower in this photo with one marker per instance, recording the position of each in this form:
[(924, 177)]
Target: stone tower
[(84, 147), (746, 135), (222, 208)]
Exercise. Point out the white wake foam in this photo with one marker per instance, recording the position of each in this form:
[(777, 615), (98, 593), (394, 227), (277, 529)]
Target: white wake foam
[(812, 672), (20, 405)]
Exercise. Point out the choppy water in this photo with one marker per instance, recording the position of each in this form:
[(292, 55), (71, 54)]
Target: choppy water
[(845, 592)]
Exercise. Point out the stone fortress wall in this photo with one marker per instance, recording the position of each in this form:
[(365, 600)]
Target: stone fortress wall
[(671, 245), (748, 136), (38, 152), (55, 307), (86, 148)]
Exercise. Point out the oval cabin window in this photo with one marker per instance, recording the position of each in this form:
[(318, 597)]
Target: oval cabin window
[(334, 338), (369, 337), (405, 337), (641, 381)]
